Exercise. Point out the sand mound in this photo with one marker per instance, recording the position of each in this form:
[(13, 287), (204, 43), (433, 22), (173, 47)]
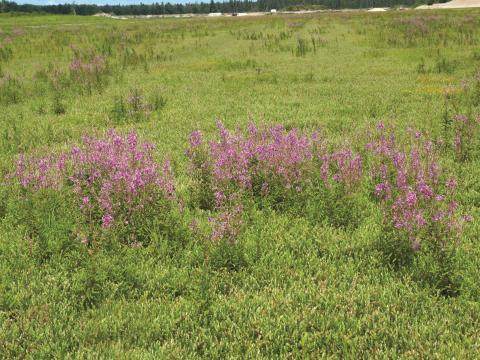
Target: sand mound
[(454, 4)]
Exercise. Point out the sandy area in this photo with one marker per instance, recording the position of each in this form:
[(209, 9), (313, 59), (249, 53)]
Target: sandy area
[(454, 4)]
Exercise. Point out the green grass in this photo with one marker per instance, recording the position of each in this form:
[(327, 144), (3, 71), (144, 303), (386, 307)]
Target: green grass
[(291, 288)]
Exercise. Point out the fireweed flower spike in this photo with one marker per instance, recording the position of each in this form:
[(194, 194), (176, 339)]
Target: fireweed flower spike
[(264, 161), (114, 175), (413, 198)]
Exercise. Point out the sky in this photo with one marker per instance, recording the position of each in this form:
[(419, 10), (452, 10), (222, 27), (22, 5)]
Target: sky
[(101, 2)]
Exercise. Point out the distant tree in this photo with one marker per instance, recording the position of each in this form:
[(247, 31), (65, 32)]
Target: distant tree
[(213, 7), (203, 7)]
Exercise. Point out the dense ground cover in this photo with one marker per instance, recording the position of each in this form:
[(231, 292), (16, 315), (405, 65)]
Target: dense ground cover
[(340, 219)]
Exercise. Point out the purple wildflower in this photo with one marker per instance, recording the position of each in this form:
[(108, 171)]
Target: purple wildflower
[(107, 221)]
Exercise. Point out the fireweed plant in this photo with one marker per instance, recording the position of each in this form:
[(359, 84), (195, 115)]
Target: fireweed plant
[(273, 167), (418, 199), (119, 187), (465, 137), (461, 127), (114, 181), (255, 163), (89, 73), (136, 106)]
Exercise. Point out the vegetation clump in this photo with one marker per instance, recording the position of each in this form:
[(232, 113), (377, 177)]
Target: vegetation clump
[(114, 180)]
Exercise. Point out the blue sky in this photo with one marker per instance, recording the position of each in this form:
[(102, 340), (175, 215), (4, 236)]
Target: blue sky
[(101, 2)]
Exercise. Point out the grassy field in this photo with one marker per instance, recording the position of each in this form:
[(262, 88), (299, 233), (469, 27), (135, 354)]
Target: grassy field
[(293, 283)]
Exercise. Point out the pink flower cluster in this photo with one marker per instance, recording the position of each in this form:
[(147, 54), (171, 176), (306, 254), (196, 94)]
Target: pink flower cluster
[(112, 177), (118, 175), (227, 224), (40, 172), (115, 178), (269, 157), (89, 74), (411, 187), (342, 166), (80, 69), (266, 159)]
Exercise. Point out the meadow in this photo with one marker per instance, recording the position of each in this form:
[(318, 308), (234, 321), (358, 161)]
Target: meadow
[(287, 186)]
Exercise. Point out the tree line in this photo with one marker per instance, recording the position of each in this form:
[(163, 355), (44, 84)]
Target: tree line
[(231, 6)]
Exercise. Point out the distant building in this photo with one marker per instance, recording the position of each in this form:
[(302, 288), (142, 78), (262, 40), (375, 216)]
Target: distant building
[(215, 14), (273, 11)]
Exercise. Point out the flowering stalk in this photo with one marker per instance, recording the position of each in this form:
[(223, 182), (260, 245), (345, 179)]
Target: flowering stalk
[(89, 73), (416, 197), (114, 178), (265, 163)]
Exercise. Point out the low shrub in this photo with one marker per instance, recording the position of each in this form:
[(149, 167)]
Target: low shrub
[(58, 104), (6, 53), (11, 90), (136, 106)]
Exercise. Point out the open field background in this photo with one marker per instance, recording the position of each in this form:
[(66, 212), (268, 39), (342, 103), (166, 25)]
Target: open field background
[(291, 287)]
